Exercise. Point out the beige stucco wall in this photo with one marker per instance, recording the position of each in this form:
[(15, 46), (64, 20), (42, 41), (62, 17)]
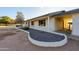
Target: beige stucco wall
[(50, 25), (59, 24), (75, 25), (27, 23), (36, 26)]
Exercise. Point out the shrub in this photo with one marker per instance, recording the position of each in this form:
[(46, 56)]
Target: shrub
[(25, 28), (18, 25)]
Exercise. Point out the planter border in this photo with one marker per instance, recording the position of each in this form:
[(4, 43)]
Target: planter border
[(47, 44)]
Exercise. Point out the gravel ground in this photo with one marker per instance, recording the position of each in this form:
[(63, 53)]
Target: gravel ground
[(18, 41), (45, 36)]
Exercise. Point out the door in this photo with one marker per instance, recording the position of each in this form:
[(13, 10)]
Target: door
[(59, 24)]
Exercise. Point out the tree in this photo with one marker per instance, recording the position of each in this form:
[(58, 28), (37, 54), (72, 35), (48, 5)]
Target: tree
[(12, 21), (5, 20), (20, 18)]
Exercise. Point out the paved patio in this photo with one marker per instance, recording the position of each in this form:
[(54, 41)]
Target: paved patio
[(16, 40)]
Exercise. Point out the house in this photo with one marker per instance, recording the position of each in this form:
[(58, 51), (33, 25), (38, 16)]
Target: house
[(57, 21)]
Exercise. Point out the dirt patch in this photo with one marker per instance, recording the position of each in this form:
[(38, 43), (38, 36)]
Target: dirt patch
[(15, 40), (3, 35), (7, 34)]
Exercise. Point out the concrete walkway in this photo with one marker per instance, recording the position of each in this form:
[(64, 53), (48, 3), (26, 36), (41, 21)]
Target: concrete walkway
[(16, 40)]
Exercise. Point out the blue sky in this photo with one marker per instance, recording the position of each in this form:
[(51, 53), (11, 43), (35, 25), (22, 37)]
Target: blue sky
[(30, 12)]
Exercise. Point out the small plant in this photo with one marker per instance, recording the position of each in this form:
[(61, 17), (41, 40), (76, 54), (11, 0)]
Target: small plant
[(19, 25), (25, 28)]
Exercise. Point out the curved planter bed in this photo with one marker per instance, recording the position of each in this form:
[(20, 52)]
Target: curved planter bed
[(45, 39)]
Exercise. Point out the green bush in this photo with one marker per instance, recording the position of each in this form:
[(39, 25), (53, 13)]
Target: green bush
[(25, 28), (19, 25)]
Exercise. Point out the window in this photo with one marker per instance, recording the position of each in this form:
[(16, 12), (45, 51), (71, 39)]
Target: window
[(32, 22), (42, 23), (26, 22)]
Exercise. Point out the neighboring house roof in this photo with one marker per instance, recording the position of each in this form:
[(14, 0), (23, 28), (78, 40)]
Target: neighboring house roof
[(59, 13)]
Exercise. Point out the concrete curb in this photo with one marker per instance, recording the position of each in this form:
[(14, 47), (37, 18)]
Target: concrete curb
[(47, 44)]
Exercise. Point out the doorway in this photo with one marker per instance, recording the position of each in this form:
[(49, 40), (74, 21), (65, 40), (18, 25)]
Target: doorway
[(63, 24)]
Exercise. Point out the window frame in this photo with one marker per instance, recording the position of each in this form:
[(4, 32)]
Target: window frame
[(42, 22), (32, 23)]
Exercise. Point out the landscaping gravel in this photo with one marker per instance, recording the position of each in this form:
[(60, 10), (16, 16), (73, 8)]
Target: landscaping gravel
[(45, 36)]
